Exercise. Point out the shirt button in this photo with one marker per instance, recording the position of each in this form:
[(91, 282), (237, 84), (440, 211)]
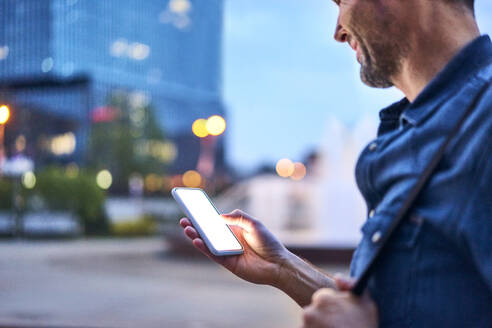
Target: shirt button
[(376, 236), (373, 146), (371, 213)]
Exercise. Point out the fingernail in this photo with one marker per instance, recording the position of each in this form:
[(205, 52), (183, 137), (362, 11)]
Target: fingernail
[(338, 275)]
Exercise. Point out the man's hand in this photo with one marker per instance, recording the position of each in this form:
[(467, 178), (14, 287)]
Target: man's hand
[(263, 255), (265, 260), (339, 308)]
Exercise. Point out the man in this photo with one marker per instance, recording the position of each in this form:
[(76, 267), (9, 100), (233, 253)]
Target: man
[(437, 270)]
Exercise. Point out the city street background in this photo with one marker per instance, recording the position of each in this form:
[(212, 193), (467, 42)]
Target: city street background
[(105, 106), (130, 283)]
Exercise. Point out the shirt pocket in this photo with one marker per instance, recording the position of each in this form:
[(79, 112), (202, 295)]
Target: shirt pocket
[(393, 280)]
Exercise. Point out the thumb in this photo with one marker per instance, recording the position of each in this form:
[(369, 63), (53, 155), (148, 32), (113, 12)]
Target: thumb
[(241, 219), (344, 283)]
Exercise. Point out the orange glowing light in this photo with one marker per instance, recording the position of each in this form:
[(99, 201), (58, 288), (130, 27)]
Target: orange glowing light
[(4, 114), (284, 168), (152, 182), (216, 125), (167, 183), (192, 179), (177, 181), (299, 171), (199, 128)]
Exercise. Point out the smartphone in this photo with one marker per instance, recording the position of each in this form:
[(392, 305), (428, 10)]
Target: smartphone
[(216, 234)]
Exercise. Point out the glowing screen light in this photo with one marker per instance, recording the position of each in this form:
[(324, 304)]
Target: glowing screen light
[(209, 220)]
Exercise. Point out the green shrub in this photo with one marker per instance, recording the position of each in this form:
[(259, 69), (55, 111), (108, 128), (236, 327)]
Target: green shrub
[(142, 227), (78, 194), (5, 194)]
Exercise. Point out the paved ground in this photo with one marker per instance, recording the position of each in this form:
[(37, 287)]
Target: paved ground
[(129, 283)]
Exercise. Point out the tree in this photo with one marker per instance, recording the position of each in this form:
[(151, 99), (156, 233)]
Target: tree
[(126, 139)]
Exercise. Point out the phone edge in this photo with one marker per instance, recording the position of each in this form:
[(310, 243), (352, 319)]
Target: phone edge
[(204, 237)]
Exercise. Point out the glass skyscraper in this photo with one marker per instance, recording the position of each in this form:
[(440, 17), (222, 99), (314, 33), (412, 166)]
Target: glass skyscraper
[(66, 57)]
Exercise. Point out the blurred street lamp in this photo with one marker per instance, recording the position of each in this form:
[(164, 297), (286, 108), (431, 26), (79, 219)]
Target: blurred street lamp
[(4, 114), (199, 128), (192, 179), (104, 179), (4, 117), (28, 180), (299, 171), (216, 125), (208, 130), (285, 168)]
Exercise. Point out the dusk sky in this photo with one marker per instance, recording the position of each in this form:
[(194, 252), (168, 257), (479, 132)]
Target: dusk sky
[(284, 76)]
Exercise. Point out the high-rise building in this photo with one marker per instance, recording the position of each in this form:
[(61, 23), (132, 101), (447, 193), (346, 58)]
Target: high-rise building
[(65, 58)]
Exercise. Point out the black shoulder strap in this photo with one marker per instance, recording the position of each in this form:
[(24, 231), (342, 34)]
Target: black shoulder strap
[(362, 280)]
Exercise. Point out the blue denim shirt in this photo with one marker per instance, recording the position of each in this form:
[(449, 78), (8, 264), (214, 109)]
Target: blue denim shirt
[(437, 271)]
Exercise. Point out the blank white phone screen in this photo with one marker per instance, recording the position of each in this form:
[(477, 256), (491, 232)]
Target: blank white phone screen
[(208, 219)]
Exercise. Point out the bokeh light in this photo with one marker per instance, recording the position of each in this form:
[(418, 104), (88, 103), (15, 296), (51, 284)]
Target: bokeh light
[(4, 114), (199, 128), (72, 170), (299, 171), (180, 6), (136, 183), (152, 182), (29, 180), (47, 64), (20, 143), (177, 181), (4, 52), (104, 179), (118, 47), (166, 184), (63, 144), (284, 168), (215, 125), (138, 51), (192, 179)]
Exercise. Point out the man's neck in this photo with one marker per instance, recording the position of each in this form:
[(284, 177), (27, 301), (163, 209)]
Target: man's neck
[(446, 32)]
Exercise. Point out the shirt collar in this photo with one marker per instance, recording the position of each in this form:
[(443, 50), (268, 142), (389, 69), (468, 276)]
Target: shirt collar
[(390, 116), (468, 61)]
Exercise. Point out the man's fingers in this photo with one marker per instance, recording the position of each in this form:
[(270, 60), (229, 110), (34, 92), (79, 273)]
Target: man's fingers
[(184, 222), (344, 283), (239, 218), (309, 316), (322, 296), (191, 233), (200, 245)]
